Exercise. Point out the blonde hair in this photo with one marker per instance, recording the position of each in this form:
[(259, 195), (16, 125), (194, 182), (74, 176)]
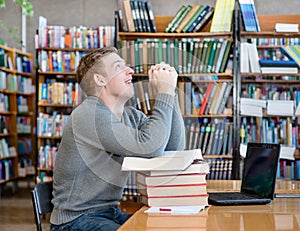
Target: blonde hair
[(89, 65)]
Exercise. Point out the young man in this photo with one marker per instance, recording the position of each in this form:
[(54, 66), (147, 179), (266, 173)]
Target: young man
[(87, 179)]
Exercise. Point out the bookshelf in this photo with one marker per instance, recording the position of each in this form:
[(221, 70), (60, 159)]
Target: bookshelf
[(190, 83), (17, 113), (272, 86), (58, 92)]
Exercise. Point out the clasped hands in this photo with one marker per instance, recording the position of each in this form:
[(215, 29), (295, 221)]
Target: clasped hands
[(164, 78)]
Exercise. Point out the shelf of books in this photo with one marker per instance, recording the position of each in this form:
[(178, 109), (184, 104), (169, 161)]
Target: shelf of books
[(17, 114), (203, 55), (270, 84), (58, 51)]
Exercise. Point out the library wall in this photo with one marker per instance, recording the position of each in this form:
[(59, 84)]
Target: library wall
[(100, 12)]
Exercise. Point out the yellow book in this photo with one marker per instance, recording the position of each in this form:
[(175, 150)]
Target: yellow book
[(187, 18)]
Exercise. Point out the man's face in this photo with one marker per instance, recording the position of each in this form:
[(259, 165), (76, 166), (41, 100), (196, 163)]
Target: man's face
[(119, 77)]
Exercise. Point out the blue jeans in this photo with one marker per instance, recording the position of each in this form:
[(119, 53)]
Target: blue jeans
[(105, 220)]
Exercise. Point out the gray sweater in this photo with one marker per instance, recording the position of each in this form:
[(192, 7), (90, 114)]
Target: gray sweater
[(87, 175)]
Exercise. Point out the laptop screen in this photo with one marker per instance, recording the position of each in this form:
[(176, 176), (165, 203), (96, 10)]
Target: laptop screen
[(260, 168)]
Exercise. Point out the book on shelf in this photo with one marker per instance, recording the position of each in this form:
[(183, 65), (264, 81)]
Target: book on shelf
[(193, 20), (249, 16), (279, 70), (205, 20), (170, 160), (184, 13), (175, 18), (121, 15), (129, 16), (148, 7), (286, 27), (222, 18), (280, 107), (190, 200), (292, 52), (187, 18), (277, 63), (208, 91), (203, 10), (252, 107)]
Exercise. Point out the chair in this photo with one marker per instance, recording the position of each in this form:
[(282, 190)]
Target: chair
[(41, 199)]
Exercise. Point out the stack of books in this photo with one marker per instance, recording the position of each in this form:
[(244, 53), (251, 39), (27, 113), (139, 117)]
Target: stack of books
[(190, 19), (178, 179), (279, 66)]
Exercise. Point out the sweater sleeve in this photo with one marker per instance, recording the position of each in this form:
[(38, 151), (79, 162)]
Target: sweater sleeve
[(177, 134), (103, 131)]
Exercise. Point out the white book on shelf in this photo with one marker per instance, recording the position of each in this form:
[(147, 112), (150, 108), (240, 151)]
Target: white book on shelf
[(280, 107), (287, 152), (279, 70), (254, 102), (244, 57), (286, 27), (251, 110), (253, 58)]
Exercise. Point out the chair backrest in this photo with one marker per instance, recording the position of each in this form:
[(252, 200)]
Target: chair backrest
[(41, 200)]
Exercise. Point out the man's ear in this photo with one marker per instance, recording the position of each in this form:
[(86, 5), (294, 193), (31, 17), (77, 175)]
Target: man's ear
[(100, 80)]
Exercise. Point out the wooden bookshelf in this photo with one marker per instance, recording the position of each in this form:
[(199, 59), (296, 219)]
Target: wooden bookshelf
[(274, 81), (17, 85)]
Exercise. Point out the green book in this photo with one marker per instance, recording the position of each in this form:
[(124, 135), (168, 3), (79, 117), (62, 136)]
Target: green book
[(192, 20), (212, 56), (182, 16), (184, 55), (176, 55), (176, 17), (180, 63), (168, 51), (225, 57), (194, 55), (203, 55), (199, 56), (217, 53), (160, 51), (190, 53), (207, 56), (136, 57)]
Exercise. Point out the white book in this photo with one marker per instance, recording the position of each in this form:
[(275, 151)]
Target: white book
[(286, 27), (197, 167), (251, 110), (220, 97), (280, 107), (245, 65), (171, 160), (253, 58), (279, 70), (255, 102), (287, 152)]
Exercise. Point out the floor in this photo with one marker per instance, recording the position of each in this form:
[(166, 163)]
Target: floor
[(16, 212)]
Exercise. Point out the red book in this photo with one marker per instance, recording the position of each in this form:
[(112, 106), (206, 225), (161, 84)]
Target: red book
[(190, 200), (206, 97)]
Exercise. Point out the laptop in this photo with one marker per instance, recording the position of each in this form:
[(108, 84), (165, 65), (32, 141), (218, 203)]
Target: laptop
[(259, 177)]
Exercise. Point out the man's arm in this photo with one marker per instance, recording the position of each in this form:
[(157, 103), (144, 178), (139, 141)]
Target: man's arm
[(177, 135)]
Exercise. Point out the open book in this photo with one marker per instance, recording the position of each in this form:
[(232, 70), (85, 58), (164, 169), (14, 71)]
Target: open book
[(171, 160)]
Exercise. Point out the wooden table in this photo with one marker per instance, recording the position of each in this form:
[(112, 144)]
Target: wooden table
[(281, 214)]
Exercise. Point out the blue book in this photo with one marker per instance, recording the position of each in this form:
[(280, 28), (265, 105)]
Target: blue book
[(277, 63), (198, 19)]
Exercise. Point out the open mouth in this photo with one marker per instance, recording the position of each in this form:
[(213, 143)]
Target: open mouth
[(129, 81)]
